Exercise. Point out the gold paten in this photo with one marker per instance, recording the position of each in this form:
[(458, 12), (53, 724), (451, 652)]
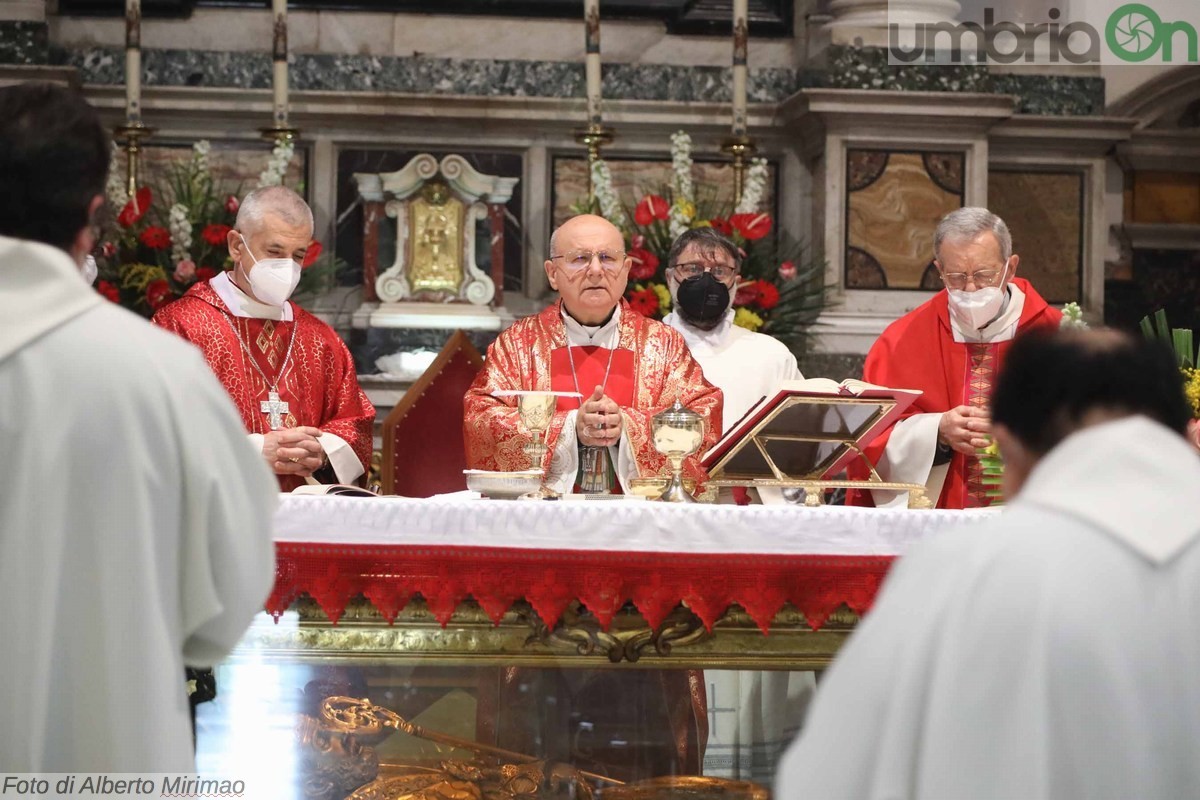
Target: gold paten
[(435, 244)]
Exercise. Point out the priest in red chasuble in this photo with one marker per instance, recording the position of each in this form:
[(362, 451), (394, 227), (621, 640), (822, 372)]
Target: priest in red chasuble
[(626, 368), (289, 373), (950, 348)]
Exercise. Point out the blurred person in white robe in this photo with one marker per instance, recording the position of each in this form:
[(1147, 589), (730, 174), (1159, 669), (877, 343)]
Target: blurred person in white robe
[(135, 519), (755, 713), (1053, 653)]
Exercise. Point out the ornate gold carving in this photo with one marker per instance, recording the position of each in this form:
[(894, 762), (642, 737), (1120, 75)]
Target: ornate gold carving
[(522, 639), (332, 761), (436, 258)]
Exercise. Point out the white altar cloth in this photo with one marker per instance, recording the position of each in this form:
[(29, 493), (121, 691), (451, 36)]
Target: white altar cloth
[(612, 525)]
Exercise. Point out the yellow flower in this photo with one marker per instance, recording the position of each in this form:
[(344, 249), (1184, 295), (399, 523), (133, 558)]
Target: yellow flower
[(702, 223), (745, 318), (1191, 387), (664, 296), (687, 210), (139, 276)]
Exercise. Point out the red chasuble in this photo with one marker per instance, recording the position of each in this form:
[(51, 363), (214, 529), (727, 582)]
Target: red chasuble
[(918, 351), (318, 382), (651, 368)]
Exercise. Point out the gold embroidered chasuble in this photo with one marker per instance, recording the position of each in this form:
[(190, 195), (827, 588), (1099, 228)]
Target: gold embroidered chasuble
[(521, 359)]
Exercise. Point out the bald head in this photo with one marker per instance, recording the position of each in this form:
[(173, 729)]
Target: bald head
[(589, 223), (588, 267), (279, 201)]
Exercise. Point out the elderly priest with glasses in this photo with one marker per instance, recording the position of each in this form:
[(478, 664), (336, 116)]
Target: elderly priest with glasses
[(625, 367), (950, 348)]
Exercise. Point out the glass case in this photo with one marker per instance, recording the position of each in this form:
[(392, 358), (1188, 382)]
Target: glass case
[(368, 709)]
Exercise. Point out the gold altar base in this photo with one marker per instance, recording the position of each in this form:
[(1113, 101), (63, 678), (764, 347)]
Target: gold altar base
[(364, 637)]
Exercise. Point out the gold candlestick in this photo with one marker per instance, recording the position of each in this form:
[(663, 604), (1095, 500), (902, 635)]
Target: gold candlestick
[(593, 137), (130, 136), (280, 134), (742, 149)]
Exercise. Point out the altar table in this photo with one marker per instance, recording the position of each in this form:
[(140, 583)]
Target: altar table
[(466, 580)]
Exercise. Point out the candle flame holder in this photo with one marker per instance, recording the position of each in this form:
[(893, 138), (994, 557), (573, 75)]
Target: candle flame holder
[(742, 149), (593, 137), (280, 133), (130, 136)]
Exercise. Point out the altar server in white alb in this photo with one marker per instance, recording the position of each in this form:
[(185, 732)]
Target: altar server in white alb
[(1053, 652), (135, 519), (702, 275)]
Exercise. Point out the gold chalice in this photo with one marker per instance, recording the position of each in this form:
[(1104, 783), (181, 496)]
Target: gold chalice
[(678, 433), (536, 410)]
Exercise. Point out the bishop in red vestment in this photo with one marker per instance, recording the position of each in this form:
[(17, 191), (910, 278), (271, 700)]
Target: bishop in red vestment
[(290, 374), (631, 723), (626, 368), (950, 348)]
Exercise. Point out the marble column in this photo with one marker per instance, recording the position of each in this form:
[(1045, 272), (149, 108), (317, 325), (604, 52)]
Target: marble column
[(24, 32)]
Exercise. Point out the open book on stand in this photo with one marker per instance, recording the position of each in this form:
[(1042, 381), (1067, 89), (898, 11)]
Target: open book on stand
[(343, 489), (806, 433)]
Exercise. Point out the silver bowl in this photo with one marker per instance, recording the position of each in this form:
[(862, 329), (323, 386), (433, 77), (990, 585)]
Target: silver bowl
[(503, 485)]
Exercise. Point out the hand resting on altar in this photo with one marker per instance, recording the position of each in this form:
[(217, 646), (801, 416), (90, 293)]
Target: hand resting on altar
[(294, 451), (599, 422), (965, 429)]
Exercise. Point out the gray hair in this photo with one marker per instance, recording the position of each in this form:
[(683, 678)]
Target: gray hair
[(968, 222), (278, 200)]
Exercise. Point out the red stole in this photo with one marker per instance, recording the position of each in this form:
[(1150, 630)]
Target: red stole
[(591, 363), (268, 342)]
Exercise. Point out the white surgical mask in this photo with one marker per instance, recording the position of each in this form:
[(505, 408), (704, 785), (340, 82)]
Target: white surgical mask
[(973, 310), (89, 270), (273, 279)]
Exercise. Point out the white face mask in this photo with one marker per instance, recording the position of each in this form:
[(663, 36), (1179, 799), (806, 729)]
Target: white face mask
[(973, 310), (273, 279), (89, 270)]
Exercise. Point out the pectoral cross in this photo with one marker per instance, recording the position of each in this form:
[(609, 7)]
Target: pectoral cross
[(274, 408)]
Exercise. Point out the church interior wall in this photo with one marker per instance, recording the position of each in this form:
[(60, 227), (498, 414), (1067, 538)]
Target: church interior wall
[(492, 88)]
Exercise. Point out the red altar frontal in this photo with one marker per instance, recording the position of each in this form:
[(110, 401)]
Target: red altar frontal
[(615, 648)]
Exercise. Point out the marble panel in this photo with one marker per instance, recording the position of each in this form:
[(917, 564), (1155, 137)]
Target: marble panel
[(24, 42), (1166, 197), (235, 166), (1044, 212), (632, 179), (867, 68), (836, 366), (894, 201)]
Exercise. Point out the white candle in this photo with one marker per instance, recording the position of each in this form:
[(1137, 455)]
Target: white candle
[(133, 61), (280, 65), (591, 29), (740, 40)]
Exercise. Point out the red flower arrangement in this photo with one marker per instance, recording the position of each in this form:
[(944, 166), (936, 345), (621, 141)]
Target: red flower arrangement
[(644, 265), (155, 237), (311, 254), (643, 301), (136, 208), (651, 208), (109, 291), (216, 234), (158, 293)]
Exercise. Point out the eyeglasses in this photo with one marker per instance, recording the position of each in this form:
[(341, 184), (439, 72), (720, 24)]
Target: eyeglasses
[(721, 272), (982, 278), (579, 260)]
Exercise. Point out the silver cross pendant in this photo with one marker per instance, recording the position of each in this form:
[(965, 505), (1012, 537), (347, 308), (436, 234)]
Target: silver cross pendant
[(274, 408)]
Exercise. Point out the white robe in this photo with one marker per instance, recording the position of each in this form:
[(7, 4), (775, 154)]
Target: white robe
[(1051, 654), (753, 713), (134, 526), (745, 365)]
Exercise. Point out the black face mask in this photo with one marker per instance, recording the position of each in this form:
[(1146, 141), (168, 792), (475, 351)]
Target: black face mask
[(703, 299)]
